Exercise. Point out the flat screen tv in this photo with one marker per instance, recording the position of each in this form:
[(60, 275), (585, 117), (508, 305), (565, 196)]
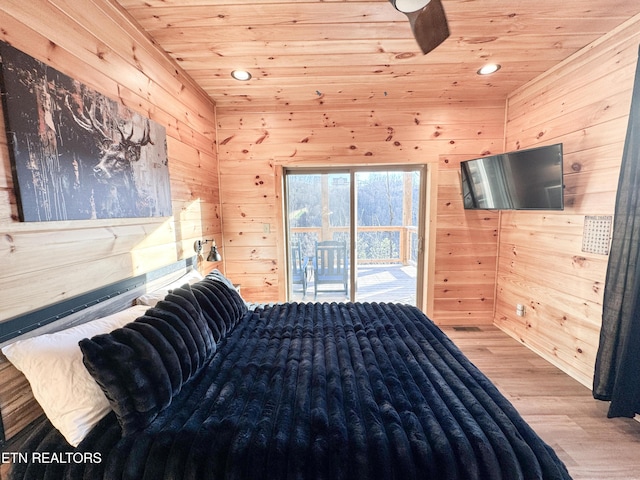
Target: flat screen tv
[(522, 180)]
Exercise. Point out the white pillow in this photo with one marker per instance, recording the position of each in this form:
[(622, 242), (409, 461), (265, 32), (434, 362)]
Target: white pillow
[(150, 299), (69, 396)]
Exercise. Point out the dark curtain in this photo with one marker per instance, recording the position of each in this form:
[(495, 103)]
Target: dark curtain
[(617, 370)]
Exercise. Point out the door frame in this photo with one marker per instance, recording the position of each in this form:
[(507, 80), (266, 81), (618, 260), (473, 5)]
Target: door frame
[(425, 267)]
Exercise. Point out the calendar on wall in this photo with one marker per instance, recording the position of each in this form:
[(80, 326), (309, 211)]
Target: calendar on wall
[(596, 236)]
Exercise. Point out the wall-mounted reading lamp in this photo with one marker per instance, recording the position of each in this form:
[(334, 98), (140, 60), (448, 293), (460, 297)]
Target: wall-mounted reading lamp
[(214, 254)]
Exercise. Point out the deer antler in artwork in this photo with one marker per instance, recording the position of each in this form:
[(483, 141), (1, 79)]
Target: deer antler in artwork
[(116, 155)]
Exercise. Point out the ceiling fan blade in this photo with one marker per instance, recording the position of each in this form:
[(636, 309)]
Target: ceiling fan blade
[(429, 25)]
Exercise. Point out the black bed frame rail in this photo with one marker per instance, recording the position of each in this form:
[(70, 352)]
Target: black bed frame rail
[(22, 324)]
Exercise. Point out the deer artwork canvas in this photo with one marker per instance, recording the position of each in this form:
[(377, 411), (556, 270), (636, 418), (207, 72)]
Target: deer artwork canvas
[(77, 154)]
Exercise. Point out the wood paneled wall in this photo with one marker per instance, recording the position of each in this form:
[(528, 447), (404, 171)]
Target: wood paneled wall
[(323, 132), (46, 262), (583, 103)]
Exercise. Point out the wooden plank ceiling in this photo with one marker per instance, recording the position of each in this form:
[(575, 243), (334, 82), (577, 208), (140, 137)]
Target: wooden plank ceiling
[(345, 51)]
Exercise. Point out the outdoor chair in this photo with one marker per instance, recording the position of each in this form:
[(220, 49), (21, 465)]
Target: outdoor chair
[(330, 266), (299, 268)]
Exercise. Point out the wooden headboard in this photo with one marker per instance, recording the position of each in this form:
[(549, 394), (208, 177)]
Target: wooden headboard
[(18, 408)]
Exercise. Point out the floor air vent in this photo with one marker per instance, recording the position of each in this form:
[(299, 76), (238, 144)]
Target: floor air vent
[(467, 329)]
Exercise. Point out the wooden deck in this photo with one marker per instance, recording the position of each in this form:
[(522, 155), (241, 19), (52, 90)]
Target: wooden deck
[(376, 282)]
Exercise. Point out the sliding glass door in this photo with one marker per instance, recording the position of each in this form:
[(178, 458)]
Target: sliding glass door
[(318, 217), (353, 234), (387, 235)]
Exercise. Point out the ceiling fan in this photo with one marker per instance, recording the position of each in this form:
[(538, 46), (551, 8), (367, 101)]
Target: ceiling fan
[(428, 21)]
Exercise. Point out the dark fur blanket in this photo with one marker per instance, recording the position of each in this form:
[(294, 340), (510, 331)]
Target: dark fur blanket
[(322, 391)]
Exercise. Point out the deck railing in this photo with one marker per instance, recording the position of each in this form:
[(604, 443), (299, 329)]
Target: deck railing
[(390, 244)]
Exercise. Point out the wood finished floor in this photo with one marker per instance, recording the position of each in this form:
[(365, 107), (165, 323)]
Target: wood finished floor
[(560, 410)]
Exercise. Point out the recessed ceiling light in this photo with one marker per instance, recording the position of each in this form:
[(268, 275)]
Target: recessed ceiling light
[(489, 69), (241, 75), (408, 6)]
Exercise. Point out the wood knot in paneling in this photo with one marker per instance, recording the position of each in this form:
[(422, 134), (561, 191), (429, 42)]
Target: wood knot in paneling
[(9, 239), (262, 138), (580, 261)]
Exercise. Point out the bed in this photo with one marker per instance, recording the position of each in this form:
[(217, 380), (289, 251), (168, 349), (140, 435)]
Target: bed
[(201, 386)]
